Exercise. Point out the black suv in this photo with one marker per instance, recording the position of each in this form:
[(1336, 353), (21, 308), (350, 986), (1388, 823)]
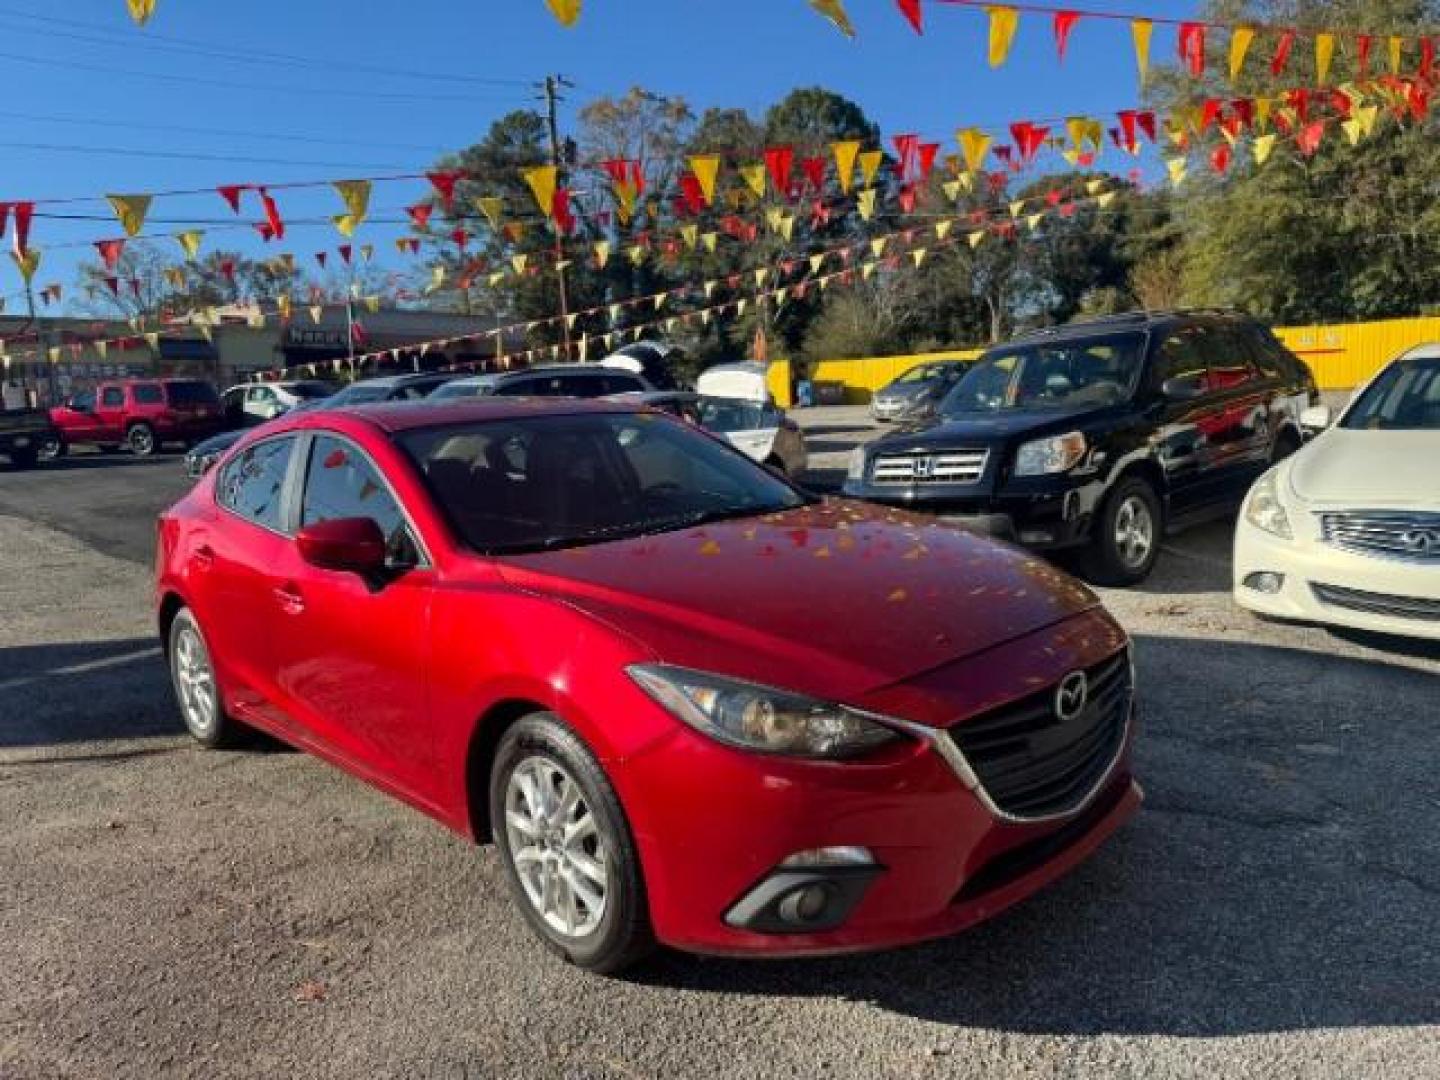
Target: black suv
[(1103, 434)]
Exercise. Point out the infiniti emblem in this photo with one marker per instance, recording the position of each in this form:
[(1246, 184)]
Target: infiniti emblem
[(1420, 541), (1072, 696)]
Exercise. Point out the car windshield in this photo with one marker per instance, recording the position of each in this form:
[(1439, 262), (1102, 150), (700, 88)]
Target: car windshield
[(461, 389), (310, 391), (192, 393), (724, 415), (541, 483), (359, 394), (922, 373), (1082, 373), (1406, 397)]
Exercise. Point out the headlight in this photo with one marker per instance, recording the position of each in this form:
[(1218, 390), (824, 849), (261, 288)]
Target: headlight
[(856, 469), (1263, 508), (758, 718), (1057, 454)]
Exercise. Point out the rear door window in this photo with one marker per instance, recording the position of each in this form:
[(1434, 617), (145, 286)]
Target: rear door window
[(253, 484), (148, 394), (1231, 364), (1184, 355)]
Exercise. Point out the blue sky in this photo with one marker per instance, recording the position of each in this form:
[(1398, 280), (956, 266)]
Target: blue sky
[(156, 109)]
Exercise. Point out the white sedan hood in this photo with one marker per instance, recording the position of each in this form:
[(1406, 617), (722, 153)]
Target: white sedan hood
[(756, 444), (1370, 468)]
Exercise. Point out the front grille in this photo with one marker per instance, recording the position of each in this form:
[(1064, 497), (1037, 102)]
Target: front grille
[(1398, 607), (1032, 764), (948, 467), (1392, 534)]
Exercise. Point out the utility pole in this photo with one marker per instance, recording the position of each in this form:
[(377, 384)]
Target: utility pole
[(553, 83)]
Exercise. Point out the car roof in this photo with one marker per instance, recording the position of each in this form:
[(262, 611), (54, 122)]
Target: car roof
[(1160, 320), (557, 369), (397, 416)]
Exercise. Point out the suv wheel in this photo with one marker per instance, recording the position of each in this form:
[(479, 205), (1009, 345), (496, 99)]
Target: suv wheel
[(52, 447), (141, 440), (1127, 534), (567, 849)]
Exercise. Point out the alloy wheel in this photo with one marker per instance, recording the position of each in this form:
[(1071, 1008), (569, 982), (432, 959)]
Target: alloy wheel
[(556, 847), (1134, 531), (141, 440), (194, 680)]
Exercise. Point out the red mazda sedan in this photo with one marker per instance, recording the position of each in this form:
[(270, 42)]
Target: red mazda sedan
[(686, 700)]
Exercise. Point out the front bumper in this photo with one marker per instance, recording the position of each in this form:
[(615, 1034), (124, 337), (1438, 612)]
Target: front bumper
[(887, 409), (1037, 518), (714, 826), (1328, 585)]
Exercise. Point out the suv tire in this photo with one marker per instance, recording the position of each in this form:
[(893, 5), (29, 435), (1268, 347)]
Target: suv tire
[(1125, 539)]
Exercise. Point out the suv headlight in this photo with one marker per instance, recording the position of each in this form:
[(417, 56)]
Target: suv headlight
[(759, 718), (855, 470), (1057, 454), (1264, 510)]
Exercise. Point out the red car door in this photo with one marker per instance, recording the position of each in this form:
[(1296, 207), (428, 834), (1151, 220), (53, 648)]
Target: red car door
[(352, 656), (110, 414)]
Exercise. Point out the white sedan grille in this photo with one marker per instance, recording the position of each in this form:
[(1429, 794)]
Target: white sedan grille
[(1391, 534)]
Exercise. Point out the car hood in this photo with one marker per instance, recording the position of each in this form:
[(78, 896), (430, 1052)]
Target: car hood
[(835, 600), (1369, 468), (986, 427), (756, 443)]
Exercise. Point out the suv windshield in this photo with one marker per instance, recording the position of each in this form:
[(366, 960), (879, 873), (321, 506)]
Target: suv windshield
[(1087, 372), (192, 393), (733, 414), (1406, 397), (540, 483)]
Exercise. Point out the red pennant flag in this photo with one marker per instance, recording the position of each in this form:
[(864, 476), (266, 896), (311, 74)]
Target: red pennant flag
[(113, 284), (1340, 102), (618, 168), (906, 146), (110, 252), (1363, 42), (814, 169), (231, 194), (320, 258), (1064, 22), (272, 215), (1052, 197), (460, 236), (420, 215), (345, 250), (1028, 140), (227, 270), (907, 199), (1427, 57), (1244, 108), (24, 211), (1086, 159), (926, 159), (779, 160), (560, 211), (1308, 138), (692, 198), (135, 287), (1209, 113), (444, 181), (1192, 47), (1282, 52), (637, 177), (266, 231), (911, 10), (1299, 100), (1146, 120), (1220, 158), (1127, 119)]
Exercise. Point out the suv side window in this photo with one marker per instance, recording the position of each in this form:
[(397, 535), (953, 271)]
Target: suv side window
[(113, 397), (620, 383), (584, 386), (148, 394), (1183, 355), (534, 386), (253, 485), (341, 482), (1231, 365), (83, 401)]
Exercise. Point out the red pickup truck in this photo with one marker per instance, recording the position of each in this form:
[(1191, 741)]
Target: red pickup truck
[(141, 414)]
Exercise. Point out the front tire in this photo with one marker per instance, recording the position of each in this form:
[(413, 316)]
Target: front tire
[(141, 440), (192, 673), (566, 846), (52, 448), (1127, 533)]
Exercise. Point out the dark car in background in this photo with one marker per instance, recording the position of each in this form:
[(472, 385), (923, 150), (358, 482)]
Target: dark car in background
[(141, 414), (390, 388), (917, 391), (24, 432), (1101, 435), (557, 380)]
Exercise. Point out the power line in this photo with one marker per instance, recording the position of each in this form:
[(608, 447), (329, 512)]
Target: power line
[(176, 155)]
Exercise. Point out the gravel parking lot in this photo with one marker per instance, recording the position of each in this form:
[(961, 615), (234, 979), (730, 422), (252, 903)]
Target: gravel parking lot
[(1272, 912)]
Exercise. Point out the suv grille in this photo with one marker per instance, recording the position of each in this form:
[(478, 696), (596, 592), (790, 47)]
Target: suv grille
[(1391, 534), (1031, 763), (1398, 607), (949, 467)]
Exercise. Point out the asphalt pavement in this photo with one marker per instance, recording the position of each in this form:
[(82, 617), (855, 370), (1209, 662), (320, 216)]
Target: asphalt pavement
[(1272, 912)]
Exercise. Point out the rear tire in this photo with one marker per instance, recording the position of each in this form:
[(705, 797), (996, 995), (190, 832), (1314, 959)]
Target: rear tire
[(140, 438), (192, 674), (52, 447), (1125, 542), (567, 848)]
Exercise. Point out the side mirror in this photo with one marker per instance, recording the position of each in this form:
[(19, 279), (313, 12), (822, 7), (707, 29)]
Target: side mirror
[(1184, 388), (353, 545), (1316, 419)]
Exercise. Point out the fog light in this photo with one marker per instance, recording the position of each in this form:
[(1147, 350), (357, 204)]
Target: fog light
[(1265, 581), (805, 905)]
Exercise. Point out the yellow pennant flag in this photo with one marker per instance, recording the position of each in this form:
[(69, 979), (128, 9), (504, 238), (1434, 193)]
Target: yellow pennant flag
[(1003, 21), (372, 304), (761, 276), (1263, 106), (153, 340), (1034, 221), (1140, 31), (787, 226), (190, 242), (131, 210), (637, 253), (919, 256), (951, 189), (740, 306), (567, 11), (942, 229), (1176, 167), (974, 145), (845, 155), (1017, 207), (345, 224), (542, 180), (773, 219), (1094, 187), (710, 287), (1367, 115), (102, 348), (28, 263), (1071, 156), (496, 278), (316, 311), (355, 194), (691, 235), (492, 206), (141, 10), (706, 168), (754, 177), (659, 300), (834, 10), (1264, 144), (1105, 200), (816, 262), (866, 204), (1239, 45), (709, 239), (520, 262), (867, 270), (975, 237), (870, 165), (282, 305), (367, 252), (1397, 47), (877, 246), (1324, 51), (1353, 130), (175, 277)]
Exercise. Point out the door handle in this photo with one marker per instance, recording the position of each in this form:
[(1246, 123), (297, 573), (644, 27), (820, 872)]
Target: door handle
[(203, 557), (290, 598)]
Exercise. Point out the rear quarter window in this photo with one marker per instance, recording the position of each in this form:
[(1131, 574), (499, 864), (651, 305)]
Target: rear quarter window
[(148, 394), (192, 393)]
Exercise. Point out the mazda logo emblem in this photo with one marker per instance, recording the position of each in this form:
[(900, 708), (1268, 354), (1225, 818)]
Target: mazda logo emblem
[(1420, 541), (1072, 696)]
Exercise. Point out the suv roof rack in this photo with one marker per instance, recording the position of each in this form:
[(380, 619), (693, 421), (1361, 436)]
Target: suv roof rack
[(1125, 318)]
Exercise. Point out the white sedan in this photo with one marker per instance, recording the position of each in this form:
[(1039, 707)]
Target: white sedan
[(1347, 531)]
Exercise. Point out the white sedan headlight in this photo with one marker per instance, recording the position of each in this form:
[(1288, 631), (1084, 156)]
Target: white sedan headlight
[(760, 718), (1264, 510), (1057, 454), (856, 468)]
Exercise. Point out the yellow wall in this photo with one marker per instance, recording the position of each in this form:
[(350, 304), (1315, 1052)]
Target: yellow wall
[(861, 378)]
